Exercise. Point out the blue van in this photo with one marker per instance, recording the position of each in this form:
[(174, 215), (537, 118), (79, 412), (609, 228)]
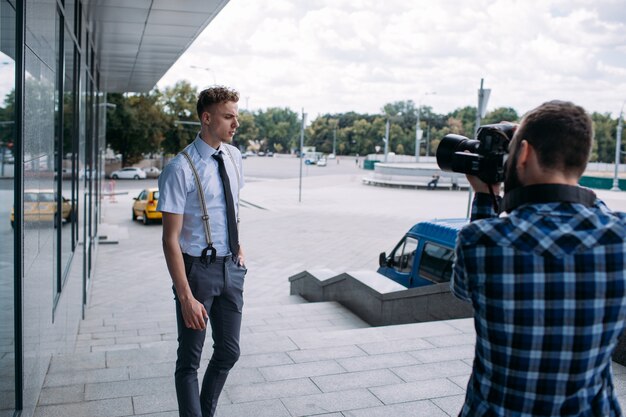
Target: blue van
[(425, 254)]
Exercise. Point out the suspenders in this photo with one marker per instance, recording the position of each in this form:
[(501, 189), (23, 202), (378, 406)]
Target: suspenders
[(205, 213)]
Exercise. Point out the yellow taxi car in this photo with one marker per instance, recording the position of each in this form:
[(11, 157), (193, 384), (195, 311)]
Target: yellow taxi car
[(145, 206), (41, 206)]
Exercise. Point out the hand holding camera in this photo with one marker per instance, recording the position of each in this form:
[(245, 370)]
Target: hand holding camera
[(483, 157)]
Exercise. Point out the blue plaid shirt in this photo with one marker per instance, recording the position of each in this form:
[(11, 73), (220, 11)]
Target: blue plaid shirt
[(548, 287)]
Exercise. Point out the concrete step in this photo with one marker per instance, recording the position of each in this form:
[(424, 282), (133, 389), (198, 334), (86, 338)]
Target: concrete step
[(303, 371), (289, 319)]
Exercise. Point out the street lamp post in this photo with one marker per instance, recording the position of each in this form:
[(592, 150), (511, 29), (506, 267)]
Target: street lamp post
[(618, 146), (418, 131), (206, 69), (386, 138)]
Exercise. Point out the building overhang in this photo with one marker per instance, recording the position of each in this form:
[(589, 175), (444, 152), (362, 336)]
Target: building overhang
[(139, 40)]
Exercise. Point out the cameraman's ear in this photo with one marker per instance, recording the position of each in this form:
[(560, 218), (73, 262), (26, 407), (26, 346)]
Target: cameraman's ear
[(523, 152)]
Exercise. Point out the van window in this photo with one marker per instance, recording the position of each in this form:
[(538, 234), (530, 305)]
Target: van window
[(436, 263), (404, 255)]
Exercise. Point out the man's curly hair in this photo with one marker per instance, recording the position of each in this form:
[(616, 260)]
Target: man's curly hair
[(215, 95)]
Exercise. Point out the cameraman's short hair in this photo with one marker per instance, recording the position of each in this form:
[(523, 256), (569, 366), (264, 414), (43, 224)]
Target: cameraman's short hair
[(215, 95), (561, 133)]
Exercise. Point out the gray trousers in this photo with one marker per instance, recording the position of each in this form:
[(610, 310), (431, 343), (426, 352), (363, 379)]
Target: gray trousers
[(219, 287)]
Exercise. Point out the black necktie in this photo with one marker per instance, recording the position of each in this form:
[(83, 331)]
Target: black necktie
[(233, 238)]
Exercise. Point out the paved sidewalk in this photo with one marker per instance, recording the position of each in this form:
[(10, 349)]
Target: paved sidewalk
[(298, 358)]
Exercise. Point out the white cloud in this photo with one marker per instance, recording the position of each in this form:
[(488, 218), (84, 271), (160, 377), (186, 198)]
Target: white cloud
[(345, 55)]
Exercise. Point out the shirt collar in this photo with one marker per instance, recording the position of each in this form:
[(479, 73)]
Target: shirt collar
[(205, 150)]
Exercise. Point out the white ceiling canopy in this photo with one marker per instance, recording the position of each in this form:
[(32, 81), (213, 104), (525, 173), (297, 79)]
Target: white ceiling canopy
[(139, 40)]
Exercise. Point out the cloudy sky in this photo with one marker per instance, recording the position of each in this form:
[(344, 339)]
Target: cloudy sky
[(356, 55)]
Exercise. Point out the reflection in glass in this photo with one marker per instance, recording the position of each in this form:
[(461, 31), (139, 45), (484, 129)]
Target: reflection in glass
[(7, 163), (68, 191)]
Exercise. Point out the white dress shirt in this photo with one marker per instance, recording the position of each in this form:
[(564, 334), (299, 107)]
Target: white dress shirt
[(178, 194)]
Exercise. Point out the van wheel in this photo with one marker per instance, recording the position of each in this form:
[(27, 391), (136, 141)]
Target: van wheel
[(145, 219)]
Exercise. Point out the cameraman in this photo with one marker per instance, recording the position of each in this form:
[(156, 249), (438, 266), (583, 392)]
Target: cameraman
[(547, 282)]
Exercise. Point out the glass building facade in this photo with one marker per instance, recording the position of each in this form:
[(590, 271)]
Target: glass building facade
[(58, 58)]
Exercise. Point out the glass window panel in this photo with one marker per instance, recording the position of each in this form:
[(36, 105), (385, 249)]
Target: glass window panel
[(436, 263), (68, 140), (7, 164), (405, 255)]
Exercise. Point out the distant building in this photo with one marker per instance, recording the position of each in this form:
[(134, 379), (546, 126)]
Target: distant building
[(58, 61)]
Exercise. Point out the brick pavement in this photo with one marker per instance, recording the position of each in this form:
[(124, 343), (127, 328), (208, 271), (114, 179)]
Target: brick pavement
[(298, 359)]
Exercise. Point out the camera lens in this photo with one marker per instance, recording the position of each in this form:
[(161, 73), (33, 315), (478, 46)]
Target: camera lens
[(449, 146)]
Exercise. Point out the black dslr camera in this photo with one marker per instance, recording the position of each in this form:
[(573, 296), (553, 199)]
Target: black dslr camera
[(485, 155)]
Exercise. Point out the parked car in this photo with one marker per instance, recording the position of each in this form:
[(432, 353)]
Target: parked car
[(270, 154), (145, 206), (424, 255), (130, 173), (261, 153), (152, 172), (321, 162), (41, 206)]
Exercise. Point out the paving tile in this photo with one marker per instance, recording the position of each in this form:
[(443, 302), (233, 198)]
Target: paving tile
[(444, 354), (300, 370), (352, 380), (128, 388), (64, 363), (460, 380), (271, 390), (268, 408), (262, 360), (403, 345), (104, 408), (61, 395), (464, 325), (156, 403), (114, 347), (310, 355), (238, 376), (410, 409), (308, 405), (265, 343), (138, 339), (87, 376), (387, 360), (414, 391), (452, 340), (162, 369), (450, 405), (432, 370), (618, 369), (146, 356)]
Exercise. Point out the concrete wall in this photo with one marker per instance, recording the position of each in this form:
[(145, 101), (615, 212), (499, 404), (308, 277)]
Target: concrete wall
[(378, 300)]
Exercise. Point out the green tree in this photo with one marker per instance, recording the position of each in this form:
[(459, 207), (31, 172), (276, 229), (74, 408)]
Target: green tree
[(605, 130), (278, 126), (135, 126), (467, 117), (247, 132), (178, 104), (7, 121), (501, 114)]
